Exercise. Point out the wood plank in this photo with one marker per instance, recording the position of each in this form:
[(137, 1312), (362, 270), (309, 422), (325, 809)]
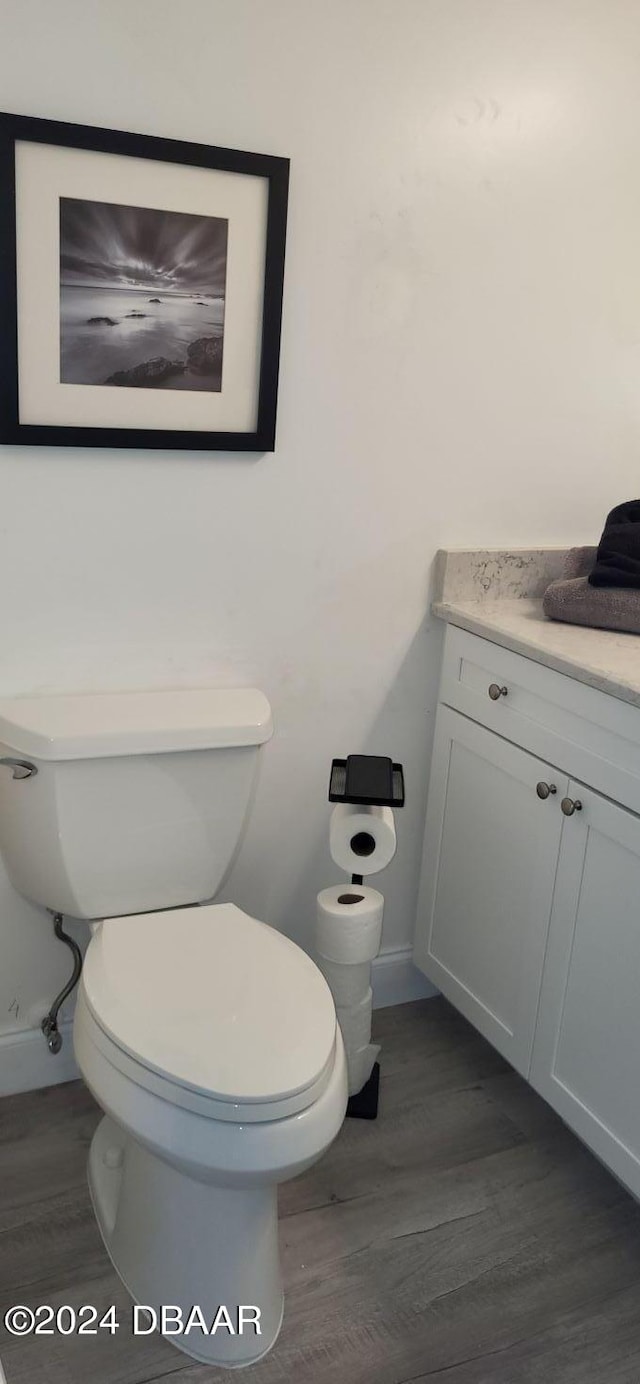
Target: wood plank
[(465, 1237)]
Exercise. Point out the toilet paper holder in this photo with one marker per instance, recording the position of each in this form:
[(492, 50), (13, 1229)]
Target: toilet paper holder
[(365, 780), (369, 780)]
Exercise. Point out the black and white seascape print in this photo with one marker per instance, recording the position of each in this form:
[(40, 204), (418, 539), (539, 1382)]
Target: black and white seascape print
[(142, 296)]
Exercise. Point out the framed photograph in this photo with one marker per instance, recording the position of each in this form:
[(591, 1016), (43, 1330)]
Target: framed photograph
[(140, 289)]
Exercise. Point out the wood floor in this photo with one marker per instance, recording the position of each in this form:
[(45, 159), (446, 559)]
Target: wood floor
[(465, 1237)]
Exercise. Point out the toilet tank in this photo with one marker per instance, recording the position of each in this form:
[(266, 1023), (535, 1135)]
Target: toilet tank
[(127, 802)]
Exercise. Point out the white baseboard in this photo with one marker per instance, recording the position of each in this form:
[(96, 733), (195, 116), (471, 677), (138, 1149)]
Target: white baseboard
[(26, 1063), (395, 979)]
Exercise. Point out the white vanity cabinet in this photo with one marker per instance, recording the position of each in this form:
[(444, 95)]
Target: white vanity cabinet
[(586, 1055), (529, 907), (492, 847)]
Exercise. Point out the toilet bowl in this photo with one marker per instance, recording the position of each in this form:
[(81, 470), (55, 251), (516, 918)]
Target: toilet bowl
[(209, 1040), (213, 1048)]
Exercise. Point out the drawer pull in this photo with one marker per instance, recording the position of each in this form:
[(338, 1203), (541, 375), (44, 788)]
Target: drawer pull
[(544, 789), (495, 692), (571, 805)]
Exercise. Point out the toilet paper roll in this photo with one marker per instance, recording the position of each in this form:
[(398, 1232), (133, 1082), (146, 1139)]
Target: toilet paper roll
[(360, 1066), (362, 840), (349, 926), (355, 1023), (348, 983)]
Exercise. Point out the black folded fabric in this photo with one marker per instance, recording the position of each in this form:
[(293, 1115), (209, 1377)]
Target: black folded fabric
[(618, 556)]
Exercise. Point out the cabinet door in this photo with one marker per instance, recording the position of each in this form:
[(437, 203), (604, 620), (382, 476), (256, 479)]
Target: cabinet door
[(491, 851), (586, 1057)]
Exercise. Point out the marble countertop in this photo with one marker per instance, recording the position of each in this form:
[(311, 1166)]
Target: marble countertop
[(497, 594)]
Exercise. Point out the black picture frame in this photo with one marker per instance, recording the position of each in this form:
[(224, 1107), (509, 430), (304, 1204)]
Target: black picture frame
[(274, 169)]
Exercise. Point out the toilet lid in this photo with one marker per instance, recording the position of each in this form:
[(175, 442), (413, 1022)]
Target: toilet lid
[(213, 1000)]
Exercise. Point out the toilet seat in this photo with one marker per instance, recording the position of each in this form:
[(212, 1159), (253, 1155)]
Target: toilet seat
[(212, 1010)]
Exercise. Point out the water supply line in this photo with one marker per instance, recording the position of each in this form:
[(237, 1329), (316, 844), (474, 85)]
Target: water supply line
[(50, 1022)]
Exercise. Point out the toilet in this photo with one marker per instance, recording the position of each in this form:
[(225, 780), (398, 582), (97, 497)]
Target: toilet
[(208, 1038)]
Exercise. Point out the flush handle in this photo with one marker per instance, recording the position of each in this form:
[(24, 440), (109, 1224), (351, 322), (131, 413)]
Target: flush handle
[(22, 769)]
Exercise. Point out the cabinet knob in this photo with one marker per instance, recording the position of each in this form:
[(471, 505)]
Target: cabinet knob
[(571, 805), (544, 789), (495, 692)]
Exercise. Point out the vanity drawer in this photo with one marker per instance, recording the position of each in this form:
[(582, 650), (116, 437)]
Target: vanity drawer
[(589, 733)]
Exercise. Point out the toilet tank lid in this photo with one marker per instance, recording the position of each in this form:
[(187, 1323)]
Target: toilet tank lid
[(102, 725)]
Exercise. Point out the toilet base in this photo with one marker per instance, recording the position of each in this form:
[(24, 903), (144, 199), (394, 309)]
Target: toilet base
[(177, 1242)]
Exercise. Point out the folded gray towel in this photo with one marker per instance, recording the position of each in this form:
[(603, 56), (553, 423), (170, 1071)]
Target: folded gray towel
[(578, 562), (603, 607)]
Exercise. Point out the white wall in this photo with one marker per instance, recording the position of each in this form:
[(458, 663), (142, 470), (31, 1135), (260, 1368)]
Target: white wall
[(460, 365)]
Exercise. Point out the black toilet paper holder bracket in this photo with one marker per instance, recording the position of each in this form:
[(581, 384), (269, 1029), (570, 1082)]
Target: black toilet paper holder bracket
[(369, 780)]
